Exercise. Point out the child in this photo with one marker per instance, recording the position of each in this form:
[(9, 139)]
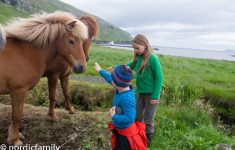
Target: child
[(126, 134), (149, 80)]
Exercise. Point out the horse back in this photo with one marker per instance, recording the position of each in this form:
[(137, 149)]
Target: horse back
[(21, 65)]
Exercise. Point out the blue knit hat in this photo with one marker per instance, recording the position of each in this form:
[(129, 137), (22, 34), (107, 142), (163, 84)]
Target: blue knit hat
[(122, 75)]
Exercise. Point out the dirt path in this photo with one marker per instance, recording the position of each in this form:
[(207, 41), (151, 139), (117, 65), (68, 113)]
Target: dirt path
[(92, 79)]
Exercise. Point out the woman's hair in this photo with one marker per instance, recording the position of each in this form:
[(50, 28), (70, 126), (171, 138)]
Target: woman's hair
[(142, 40)]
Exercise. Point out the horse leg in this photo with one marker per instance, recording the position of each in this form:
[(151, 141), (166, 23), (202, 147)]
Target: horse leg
[(17, 102), (52, 83), (64, 84)]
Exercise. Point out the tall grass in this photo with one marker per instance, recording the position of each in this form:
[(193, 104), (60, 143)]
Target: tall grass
[(187, 128)]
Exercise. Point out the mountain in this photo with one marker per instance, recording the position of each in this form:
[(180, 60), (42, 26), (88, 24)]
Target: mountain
[(23, 8)]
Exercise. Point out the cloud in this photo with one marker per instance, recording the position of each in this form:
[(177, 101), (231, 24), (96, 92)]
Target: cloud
[(151, 11), (185, 23), (219, 38), (177, 27)]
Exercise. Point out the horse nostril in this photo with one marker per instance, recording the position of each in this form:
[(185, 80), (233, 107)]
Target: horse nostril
[(81, 68)]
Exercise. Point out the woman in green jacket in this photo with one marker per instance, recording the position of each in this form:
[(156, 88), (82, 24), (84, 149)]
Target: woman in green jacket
[(149, 80)]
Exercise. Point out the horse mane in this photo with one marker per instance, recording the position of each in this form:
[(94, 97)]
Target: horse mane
[(43, 30), (91, 22), (2, 38)]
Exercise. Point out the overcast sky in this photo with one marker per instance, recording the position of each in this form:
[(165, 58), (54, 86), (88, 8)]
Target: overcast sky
[(203, 24)]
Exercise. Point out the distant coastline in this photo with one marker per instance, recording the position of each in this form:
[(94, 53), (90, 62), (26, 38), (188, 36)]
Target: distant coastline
[(228, 55)]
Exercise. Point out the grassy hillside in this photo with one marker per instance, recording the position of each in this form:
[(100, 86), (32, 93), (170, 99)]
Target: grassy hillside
[(23, 8), (8, 11)]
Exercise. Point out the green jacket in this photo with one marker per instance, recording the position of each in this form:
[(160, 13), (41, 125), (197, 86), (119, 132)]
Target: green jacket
[(151, 80)]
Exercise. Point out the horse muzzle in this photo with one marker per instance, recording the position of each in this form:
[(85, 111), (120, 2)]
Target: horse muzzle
[(79, 69)]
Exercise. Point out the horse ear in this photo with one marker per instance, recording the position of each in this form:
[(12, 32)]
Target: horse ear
[(91, 23), (71, 24)]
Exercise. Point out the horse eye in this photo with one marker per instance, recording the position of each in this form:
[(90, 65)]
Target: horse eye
[(71, 42)]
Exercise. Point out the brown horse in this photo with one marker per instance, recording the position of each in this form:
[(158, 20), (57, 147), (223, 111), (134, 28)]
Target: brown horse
[(61, 69), (28, 48)]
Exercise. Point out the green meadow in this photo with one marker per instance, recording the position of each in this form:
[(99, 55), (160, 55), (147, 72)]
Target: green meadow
[(185, 79), (197, 95)]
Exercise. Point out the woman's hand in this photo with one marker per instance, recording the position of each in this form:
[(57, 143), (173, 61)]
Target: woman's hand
[(112, 111), (154, 101), (97, 67)]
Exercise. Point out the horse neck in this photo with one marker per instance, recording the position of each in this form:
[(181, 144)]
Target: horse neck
[(49, 54), (43, 55)]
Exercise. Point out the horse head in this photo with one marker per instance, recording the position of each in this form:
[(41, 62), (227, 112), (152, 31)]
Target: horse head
[(70, 46)]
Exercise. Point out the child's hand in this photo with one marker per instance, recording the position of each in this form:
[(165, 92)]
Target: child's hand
[(154, 101), (97, 67), (112, 111), (109, 69)]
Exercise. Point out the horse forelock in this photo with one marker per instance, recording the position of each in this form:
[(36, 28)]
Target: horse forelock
[(43, 30), (80, 30)]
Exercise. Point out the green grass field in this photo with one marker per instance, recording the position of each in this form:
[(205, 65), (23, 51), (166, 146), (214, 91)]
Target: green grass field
[(184, 120), (185, 79)]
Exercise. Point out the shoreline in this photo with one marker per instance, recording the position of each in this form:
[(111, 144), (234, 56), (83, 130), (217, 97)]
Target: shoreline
[(185, 53)]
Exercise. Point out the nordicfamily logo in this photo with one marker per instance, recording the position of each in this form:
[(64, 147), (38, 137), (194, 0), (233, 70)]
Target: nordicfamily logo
[(30, 147)]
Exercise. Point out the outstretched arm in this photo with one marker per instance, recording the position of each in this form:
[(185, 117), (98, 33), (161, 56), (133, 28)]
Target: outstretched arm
[(103, 73)]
